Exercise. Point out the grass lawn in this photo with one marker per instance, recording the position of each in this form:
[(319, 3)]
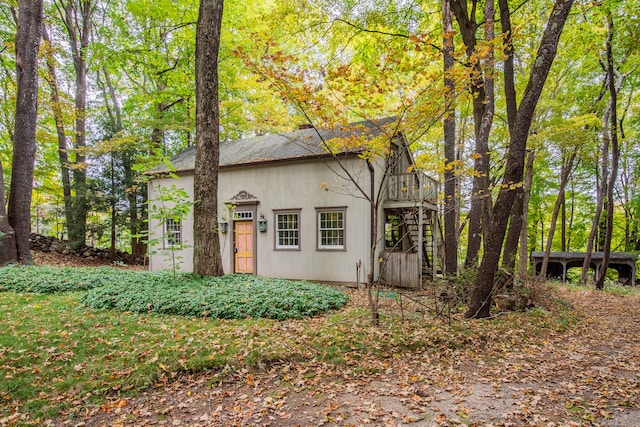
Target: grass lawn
[(57, 355)]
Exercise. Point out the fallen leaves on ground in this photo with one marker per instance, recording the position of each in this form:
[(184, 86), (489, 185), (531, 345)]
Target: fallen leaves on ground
[(586, 375), (485, 373)]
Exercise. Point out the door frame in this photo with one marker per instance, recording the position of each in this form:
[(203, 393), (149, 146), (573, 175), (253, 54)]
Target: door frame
[(251, 206)]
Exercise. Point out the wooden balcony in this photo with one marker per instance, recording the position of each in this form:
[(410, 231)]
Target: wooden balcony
[(411, 188)]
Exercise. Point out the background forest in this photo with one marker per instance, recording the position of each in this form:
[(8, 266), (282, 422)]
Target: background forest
[(117, 96)]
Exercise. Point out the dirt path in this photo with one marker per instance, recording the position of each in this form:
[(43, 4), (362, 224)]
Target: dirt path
[(587, 376)]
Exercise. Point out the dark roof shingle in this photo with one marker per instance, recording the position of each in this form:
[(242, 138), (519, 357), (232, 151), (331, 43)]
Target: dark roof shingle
[(299, 144)]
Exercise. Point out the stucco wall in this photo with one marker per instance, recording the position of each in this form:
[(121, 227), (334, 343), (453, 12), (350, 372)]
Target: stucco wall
[(304, 185)]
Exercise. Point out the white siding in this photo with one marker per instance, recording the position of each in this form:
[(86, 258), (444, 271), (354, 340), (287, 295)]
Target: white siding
[(303, 185)]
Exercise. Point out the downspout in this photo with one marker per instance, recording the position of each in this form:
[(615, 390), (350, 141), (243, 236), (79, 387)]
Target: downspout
[(373, 206)]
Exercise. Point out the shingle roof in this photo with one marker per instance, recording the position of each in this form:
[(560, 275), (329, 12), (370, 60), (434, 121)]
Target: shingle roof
[(299, 144)]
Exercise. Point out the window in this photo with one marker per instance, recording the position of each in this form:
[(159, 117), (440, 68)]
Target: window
[(331, 229), (172, 233), (288, 230), (242, 215), (392, 231)]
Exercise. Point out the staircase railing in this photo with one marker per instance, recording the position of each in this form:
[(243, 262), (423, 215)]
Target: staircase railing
[(406, 187)]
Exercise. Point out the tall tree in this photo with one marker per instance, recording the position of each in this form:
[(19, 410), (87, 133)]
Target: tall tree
[(613, 80), (518, 219), (57, 110), (449, 122), (481, 86), (207, 259), (514, 168), (28, 35), (77, 17), (523, 260)]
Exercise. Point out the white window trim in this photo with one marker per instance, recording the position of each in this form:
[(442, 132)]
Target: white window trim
[(320, 246), (176, 231), (278, 246)]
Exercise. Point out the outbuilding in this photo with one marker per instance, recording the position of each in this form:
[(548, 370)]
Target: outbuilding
[(304, 204)]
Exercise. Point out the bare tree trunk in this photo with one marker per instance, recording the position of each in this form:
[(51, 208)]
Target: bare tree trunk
[(450, 196), (482, 92), (56, 107), (563, 220), (77, 17), (207, 259), (483, 285), (613, 131), (628, 186), (600, 192), (524, 235), (372, 291), (565, 173), (516, 222), (8, 251), (28, 36), (513, 234)]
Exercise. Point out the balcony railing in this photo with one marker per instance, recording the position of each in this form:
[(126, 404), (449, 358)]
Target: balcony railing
[(405, 187)]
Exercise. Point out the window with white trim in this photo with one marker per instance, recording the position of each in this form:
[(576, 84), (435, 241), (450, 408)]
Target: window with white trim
[(331, 229), (288, 230), (172, 233)]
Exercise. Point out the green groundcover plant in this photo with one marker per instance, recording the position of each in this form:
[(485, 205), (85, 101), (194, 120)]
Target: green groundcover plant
[(229, 297), (46, 280)]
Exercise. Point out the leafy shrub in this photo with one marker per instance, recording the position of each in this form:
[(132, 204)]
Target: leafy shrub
[(45, 279), (230, 297)]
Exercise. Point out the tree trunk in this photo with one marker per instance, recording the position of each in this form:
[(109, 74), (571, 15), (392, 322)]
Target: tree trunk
[(567, 168), (483, 285), (56, 108), (523, 262), (28, 36), (126, 159), (207, 259), (8, 251), (517, 218), (482, 92), (601, 189), (509, 78), (372, 290), (613, 131), (513, 235), (450, 196), (77, 19)]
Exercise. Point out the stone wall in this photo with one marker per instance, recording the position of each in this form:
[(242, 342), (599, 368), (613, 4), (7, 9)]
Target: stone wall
[(42, 243)]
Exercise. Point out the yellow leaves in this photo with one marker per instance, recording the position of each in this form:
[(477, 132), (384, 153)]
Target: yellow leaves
[(511, 185), (114, 406), (249, 380)]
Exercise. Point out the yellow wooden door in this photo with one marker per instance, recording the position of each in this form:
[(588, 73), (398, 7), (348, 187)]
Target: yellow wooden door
[(243, 231)]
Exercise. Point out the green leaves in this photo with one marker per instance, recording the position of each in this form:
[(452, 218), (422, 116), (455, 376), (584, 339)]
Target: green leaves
[(228, 297), (43, 279)]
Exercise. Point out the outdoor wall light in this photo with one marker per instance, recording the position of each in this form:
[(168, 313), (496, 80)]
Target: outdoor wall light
[(262, 224), (224, 226)]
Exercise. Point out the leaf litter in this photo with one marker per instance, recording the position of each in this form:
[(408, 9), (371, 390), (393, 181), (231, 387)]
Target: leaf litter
[(496, 373), (585, 375)]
